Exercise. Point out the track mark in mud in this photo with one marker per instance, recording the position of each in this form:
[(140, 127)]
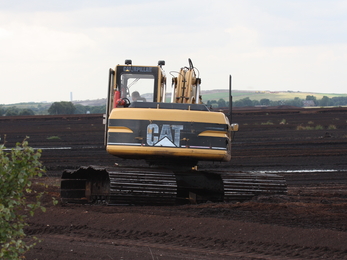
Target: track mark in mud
[(189, 244)]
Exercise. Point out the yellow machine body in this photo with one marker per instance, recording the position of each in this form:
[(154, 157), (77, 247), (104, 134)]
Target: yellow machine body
[(172, 132), (145, 126), (155, 133)]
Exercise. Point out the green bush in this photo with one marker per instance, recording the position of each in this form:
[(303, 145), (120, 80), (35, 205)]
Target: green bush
[(54, 137), (267, 123), (332, 127), (300, 127), (283, 122), (17, 167)]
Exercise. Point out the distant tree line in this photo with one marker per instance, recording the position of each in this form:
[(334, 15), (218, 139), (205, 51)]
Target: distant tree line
[(57, 108), (68, 108), (14, 111), (80, 109), (297, 102)]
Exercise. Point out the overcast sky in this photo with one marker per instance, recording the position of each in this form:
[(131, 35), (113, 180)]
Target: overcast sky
[(51, 48)]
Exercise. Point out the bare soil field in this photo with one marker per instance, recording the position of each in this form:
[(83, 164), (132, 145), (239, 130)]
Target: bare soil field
[(306, 146)]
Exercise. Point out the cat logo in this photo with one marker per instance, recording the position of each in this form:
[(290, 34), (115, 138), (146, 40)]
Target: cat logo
[(168, 135)]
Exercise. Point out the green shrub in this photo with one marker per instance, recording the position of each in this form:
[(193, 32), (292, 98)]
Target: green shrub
[(17, 167), (283, 122), (53, 137), (267, 123), (300, 127), (332, 127)]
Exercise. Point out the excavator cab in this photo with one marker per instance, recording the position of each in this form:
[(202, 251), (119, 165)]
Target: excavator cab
[(128, 83)]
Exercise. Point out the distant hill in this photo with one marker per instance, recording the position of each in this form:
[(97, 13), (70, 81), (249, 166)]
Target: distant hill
[(215, 94), (94, 102), (258, 95)]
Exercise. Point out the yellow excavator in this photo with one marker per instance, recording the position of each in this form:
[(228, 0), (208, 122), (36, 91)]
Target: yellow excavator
[(172, 133)]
